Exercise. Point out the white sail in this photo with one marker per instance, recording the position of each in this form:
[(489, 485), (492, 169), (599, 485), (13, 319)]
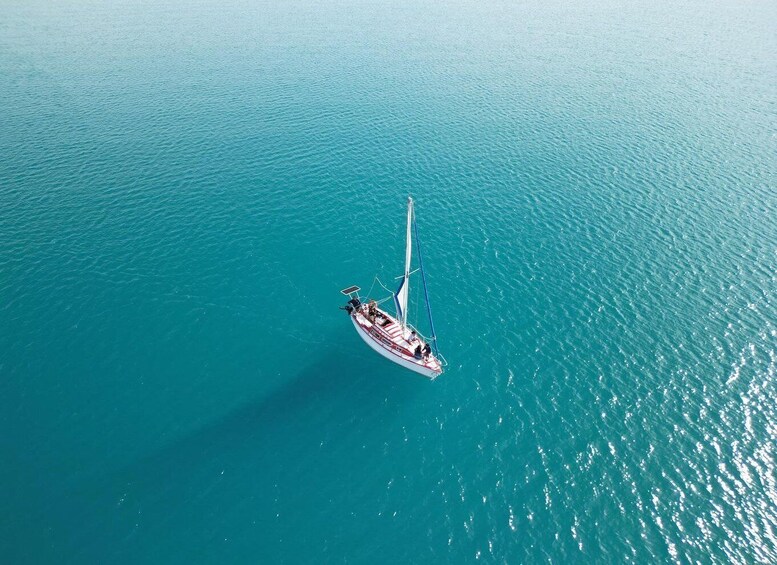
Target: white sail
[(400, 297)]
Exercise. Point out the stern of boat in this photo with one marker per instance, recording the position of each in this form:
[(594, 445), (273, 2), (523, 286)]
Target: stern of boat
[(354, 302)]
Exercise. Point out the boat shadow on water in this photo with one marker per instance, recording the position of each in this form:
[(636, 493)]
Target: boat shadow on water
[(319, 420), (332, 396)]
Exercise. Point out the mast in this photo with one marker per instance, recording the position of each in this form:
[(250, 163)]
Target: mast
[(408, 252), (400, 296)]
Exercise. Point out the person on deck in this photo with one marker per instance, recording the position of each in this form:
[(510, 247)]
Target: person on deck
[(427, 351), (372, 310), (418, 352)]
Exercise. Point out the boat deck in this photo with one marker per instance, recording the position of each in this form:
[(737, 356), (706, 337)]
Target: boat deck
[(395, 341)]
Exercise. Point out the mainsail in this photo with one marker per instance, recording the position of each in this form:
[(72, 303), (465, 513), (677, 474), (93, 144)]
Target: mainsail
[(400, 296)]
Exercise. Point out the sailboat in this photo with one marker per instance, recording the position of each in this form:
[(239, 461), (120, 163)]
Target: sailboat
[(392, 336)]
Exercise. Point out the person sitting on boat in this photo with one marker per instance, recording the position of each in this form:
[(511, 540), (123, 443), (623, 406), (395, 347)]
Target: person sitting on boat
[(418, 353), (413, 337), (372, 310), (427, 351)]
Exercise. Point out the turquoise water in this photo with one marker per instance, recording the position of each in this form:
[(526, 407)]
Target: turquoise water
[(185, 187)]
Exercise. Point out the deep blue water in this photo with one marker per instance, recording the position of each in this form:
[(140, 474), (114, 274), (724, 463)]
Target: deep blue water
[(185, 187)]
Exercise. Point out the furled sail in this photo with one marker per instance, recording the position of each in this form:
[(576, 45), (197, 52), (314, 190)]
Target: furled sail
[(400, 296)]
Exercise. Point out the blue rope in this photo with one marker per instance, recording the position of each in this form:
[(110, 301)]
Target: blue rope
[(426, 291)]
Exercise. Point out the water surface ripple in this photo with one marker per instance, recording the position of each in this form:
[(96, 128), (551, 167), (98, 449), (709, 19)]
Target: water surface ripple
[(185, 188)]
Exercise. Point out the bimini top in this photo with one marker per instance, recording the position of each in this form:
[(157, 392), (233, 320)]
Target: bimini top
[(350, 290)]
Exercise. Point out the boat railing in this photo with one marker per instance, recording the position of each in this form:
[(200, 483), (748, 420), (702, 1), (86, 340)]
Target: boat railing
[(438, 356)]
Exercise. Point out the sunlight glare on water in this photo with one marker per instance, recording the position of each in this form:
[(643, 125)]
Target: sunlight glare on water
[(186, 187)]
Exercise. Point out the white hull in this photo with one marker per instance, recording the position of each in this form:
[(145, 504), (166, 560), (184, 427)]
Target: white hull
[(403, 360)]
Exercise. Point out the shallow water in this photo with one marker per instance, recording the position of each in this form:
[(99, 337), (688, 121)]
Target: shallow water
[(186, 187)]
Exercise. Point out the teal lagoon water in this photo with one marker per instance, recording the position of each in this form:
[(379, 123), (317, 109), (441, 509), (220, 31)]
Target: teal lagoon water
[(185, 187)]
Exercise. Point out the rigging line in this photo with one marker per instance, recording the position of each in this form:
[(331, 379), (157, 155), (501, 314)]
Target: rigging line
[(403, 276), (369, 292), (426, 290), (384, 286), (382, 300), (415, 310)]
